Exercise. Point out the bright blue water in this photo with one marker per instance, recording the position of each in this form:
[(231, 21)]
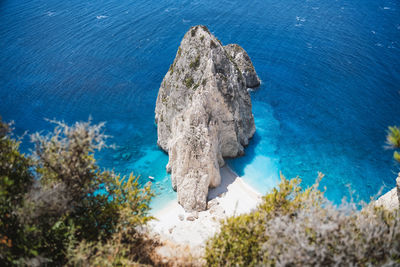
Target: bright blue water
[(330, 72)]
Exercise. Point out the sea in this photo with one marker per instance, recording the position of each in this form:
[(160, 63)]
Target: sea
[(330, 72)]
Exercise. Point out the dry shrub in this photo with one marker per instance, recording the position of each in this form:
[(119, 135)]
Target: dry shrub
[(292, 227), (72, 210), (125, 248), (170, 254)]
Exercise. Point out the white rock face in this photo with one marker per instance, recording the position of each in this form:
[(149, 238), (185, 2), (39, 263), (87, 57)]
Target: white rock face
[(203, 113), (391, 200), (243, 61), (398, 188)]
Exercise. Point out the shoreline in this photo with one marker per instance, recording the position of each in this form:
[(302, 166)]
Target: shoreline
[(232, 197)]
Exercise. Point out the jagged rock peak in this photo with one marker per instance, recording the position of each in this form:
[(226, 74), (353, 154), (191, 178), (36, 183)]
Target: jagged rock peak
[(242, 59), (203, 113)]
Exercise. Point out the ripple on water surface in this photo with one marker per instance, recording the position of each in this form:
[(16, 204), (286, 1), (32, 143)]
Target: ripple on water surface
[(329, 71)]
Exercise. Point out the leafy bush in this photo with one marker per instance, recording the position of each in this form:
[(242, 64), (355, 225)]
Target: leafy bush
[(393, 140), (71, 202), (396, 156), (64, 159), (127, 245), (393, 137), (295, 227), (15, 181)]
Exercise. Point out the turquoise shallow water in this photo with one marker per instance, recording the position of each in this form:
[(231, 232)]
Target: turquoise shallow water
[(330, 72)]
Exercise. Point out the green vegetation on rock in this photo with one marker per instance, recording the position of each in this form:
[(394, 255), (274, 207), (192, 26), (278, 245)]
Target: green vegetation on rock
[(195, 63), (193, 31), (189, 82), (212, 44)]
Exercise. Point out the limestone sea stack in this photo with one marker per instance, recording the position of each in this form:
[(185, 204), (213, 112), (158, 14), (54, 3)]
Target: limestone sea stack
[(203, 113)]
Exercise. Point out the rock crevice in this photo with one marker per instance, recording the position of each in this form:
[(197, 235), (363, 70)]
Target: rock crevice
[(203, 113)]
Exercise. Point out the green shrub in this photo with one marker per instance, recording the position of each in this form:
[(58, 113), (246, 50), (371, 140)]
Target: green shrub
[(16, 180), (393, 140), (196, 63), (127, 246), (63, 207), (189, 82), (396, 156), (65, 163), (393, 137), (295, 227)]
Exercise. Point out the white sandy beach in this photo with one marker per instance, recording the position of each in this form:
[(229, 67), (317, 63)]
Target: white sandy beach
[(233, 196)]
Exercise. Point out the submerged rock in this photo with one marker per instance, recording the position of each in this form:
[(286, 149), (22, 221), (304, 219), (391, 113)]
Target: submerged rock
[(203, 113)]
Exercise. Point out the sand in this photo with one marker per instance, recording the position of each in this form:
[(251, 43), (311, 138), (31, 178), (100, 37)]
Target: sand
[(232, 197)]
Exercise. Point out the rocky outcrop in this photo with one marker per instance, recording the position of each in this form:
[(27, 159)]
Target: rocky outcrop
[(242, 59), (391, 200), (203, 113)]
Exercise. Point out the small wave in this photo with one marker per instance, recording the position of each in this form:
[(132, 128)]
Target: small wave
[(315, 8), (373, 32), (298, 25), (392, 45), (186, 21), (300, 19), (101, 17), (386, 8), (379, 44), (50, 13), (169, 9)]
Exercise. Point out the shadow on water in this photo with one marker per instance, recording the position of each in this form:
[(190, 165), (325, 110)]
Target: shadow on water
[(239, 164)]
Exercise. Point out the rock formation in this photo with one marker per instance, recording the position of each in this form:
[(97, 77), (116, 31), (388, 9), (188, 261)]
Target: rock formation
[(203, 113), (391, 200), (243, 62)]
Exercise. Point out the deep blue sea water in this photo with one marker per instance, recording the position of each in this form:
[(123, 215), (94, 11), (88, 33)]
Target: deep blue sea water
[(330, 75)]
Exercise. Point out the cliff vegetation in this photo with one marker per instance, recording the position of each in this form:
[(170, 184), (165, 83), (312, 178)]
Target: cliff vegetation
[(296, 227), (52, 214), (57, 207)]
